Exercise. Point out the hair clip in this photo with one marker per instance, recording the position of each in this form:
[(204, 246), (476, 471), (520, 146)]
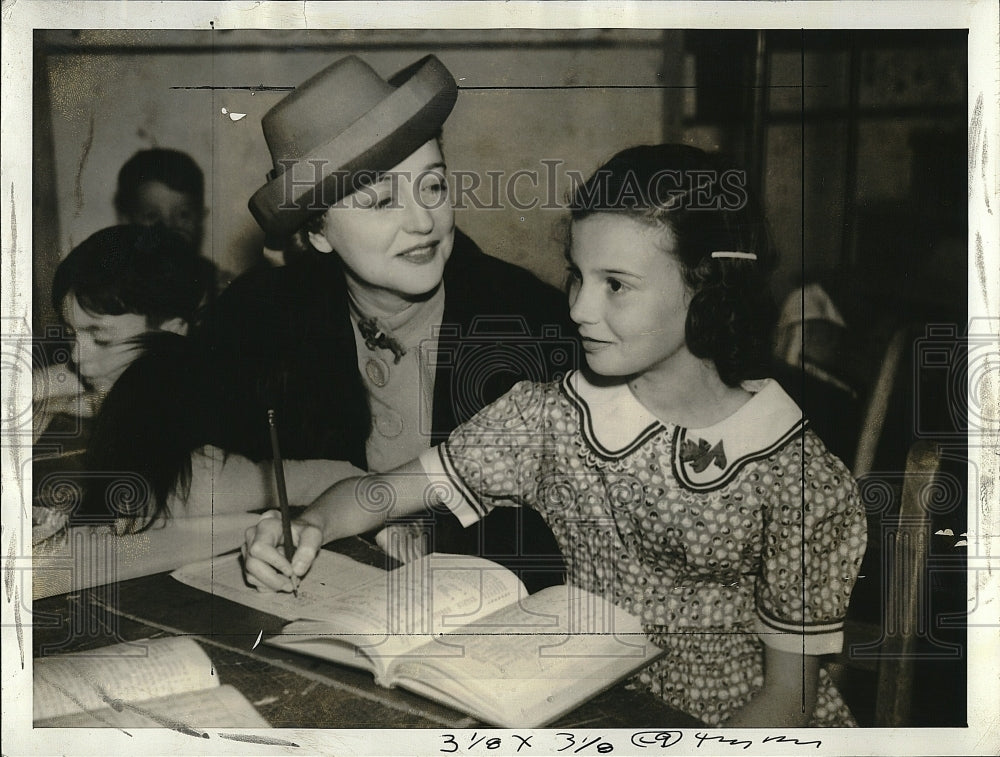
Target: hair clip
[(730, 254)]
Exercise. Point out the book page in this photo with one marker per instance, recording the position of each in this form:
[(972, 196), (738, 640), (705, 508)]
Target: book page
[(410, 609), (331, 576), (529, 662), (132, 672), (223, 707)]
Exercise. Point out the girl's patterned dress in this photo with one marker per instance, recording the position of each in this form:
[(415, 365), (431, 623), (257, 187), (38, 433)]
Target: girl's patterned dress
[(721, 539)]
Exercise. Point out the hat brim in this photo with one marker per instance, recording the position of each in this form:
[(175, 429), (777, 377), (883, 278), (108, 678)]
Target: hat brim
[(382, 138)]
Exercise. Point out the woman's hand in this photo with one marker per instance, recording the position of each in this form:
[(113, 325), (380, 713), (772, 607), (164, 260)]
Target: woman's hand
[(264, 560)]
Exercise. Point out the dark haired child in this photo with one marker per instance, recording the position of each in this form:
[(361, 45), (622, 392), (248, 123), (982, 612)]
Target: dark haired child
[(679, 481), (127, 296), (161, 186)]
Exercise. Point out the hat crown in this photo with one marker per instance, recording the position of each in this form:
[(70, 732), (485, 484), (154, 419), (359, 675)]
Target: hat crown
[(339, 125), (322, 107)]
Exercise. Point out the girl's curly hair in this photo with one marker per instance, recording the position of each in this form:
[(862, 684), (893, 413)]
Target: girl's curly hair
[(706, 206)]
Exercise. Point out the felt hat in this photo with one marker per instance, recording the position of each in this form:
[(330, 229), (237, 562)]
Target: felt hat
[(338, 128)]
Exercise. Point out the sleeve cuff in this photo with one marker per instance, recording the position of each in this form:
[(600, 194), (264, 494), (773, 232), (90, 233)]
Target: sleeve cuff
[(448, 488), (813, 639)]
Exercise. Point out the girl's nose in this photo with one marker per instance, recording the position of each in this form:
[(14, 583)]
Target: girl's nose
[(582, 308)]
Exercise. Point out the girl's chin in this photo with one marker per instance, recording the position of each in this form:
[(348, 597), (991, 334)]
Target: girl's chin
[(605, 367)]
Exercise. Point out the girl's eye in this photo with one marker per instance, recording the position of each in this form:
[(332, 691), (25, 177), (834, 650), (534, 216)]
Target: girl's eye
[(573, 273), (102, 343), (615, 285)]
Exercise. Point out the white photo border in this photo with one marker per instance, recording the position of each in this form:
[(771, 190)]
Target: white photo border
[(22, 17)]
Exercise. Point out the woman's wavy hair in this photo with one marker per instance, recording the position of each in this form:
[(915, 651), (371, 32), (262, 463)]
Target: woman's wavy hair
[(705, 206)]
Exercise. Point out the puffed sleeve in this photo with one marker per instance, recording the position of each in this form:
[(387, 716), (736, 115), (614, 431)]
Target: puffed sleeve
[(491, 459), (815, 536)]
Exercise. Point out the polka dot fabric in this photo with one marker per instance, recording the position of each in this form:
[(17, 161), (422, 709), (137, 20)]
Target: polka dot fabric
[(770, 556)]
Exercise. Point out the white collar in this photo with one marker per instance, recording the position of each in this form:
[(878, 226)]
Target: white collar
[(615, 423)]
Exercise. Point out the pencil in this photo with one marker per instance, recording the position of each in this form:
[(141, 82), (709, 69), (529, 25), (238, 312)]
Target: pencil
[(279, 478)]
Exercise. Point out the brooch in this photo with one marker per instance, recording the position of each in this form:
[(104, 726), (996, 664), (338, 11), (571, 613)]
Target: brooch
[(377, 337)]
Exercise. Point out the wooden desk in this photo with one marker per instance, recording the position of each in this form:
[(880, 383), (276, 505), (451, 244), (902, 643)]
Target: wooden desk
[(289, 690)]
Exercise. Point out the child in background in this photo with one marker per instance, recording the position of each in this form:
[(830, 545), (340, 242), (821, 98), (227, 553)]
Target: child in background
[(127, 295), (160, 186), (155, 187), (166, 187), (679, 482), (118, 285)]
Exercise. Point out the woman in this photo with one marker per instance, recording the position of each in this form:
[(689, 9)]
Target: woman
[(394, 327)]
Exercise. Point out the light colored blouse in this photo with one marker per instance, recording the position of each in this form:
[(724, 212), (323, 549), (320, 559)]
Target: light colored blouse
[(400, 393)]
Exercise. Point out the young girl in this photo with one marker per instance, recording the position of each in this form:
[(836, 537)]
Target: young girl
[(676, 485)]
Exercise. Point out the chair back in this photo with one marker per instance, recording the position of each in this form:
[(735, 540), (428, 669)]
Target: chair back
[(906, 611)]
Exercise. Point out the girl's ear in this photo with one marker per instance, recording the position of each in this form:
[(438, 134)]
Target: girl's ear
[(175, 325), (320, 242)]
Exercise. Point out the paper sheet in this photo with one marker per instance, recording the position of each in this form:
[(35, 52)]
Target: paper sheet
[(132, 672), (331, 575)]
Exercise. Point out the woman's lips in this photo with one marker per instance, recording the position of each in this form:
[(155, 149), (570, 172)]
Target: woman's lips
[(420, 254)]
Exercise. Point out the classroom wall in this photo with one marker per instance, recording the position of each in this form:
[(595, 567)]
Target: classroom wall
[(843, 184)]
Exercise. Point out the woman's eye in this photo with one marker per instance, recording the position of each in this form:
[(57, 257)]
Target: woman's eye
[(435, 186), (382, 202), (102, 343), (573, 273), (615, 285)]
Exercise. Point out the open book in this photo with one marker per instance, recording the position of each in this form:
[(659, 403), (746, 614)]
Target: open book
[(156, 682), (463, 631)]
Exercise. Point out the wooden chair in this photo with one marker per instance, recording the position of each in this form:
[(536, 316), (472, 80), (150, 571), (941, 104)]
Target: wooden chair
[(906, 614), (889, 648), (873, 421)]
